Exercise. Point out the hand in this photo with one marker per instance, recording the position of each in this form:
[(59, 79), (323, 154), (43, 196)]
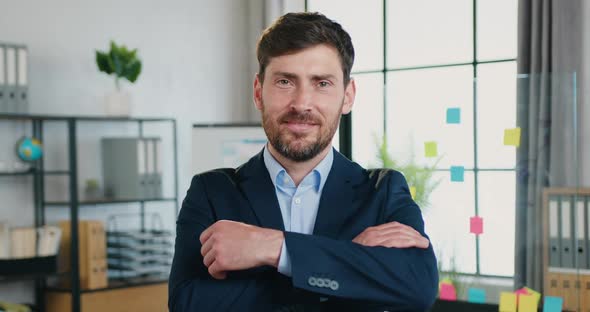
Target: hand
[(393, 234), (229, 246)]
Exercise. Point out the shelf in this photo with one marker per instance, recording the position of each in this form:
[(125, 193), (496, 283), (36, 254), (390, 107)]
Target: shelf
[(25, 277), (78, 118), (56, 172), (107, 201), (33, 171), (118, 284), (17, 173)]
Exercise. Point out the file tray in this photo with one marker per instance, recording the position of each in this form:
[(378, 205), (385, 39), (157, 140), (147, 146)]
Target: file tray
[(29, 266)]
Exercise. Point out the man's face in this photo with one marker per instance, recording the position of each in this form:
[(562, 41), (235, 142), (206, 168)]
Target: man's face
[(301, 100)]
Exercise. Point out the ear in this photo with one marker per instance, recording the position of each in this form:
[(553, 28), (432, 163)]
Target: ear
[(349, 95), (258, 92)]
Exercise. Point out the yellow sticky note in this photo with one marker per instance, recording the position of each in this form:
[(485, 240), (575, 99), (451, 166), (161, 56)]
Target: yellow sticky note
[(507, 302), (527, 303), (535, 294), (512, 137), (413, 191), (430, 149)]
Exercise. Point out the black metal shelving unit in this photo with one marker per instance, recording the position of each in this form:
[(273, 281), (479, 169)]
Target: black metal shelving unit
[(74, 203)]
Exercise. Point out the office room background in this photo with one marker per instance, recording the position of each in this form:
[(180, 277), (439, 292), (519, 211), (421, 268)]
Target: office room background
[(489, 99)]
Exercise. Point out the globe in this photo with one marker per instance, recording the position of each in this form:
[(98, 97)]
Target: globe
[(29, 149)]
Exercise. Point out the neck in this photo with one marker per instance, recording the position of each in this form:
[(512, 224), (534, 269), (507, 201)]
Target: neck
[(297, 170)]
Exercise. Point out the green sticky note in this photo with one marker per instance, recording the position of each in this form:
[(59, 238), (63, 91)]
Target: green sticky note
[(507, 302), (512, 137), (430, 149)]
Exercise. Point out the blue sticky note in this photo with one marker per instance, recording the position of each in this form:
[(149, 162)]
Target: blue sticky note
[(476, 295), (453, 115), (552, 304), (457, 173)]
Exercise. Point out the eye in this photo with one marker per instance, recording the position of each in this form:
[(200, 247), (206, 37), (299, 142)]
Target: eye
[(324, 84), (283, 82)]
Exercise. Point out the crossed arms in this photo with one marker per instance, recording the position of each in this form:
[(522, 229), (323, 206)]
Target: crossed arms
[(391, 263)]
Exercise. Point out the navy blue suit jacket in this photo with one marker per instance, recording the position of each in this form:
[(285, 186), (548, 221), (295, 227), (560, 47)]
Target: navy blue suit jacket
[(326, 266)]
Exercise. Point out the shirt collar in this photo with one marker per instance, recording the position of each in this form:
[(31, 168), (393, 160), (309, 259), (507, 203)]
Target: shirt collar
[(320, 172)]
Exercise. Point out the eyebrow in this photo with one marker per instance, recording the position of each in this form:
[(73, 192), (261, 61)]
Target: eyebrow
[(296, 77)]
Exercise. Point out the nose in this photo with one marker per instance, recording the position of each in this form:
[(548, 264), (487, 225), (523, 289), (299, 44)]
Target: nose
[(302, 99)]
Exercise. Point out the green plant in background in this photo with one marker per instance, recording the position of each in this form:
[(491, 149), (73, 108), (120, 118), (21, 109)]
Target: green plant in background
[(453, 276), (120, 62), (418, 176)]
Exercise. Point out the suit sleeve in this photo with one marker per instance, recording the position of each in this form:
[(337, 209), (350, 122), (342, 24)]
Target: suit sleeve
[(406, 279), (191, 288)]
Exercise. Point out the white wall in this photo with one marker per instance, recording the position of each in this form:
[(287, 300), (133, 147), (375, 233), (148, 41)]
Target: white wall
[(196, 68)]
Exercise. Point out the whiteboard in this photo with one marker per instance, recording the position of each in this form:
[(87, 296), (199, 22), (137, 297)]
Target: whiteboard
[(227, 145)]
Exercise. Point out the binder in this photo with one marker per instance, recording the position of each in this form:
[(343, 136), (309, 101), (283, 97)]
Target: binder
[(10, 87), (570, 289), (48, 240), (585, 292), (3, 95), (23, 242), (553, 284), (587, 209), (142, 168), (91, 253), (554, 241), (151, 168), (4, 240), (125, 167), (580, 248), (22, 83), (157, 175), (567, 237)]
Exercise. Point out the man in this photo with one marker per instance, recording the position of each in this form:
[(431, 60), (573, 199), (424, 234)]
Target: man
[(300, 227)]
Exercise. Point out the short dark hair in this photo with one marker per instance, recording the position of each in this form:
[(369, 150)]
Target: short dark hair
[(294, 32)]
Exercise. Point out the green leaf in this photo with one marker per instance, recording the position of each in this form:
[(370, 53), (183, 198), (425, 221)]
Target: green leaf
[(102, 61), (132, 71)]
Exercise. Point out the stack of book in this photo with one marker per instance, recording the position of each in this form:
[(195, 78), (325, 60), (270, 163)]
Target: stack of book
[(134, 254), (91, 253), (14, 83), (28, 250)]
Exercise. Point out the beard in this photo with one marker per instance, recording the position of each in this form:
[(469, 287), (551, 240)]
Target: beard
[(294, 146)]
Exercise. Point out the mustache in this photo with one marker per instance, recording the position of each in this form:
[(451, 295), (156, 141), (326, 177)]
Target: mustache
[(301, 117)]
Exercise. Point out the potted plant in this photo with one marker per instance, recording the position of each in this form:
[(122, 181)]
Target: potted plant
[(121, 63)]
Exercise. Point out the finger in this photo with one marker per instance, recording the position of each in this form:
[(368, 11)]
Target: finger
[(209, 258), (216, 272), (207, 245), (206, 234)]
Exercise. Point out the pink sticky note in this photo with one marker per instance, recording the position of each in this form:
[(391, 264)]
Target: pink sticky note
[(447, 292), (519, 292), (476, 225)]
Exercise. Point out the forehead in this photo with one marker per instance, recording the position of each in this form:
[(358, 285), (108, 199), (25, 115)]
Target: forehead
[(317, 60)]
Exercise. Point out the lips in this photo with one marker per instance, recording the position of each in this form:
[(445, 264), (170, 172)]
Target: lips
[(300, 126)]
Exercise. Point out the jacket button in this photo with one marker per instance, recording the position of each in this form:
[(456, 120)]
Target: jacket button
[(312, 281), (334, 285)]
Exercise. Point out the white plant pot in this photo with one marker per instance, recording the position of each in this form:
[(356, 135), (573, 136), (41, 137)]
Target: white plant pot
[(118, 103)]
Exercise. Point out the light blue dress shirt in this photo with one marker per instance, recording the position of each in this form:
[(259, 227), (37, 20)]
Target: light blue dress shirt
[(299, 204)]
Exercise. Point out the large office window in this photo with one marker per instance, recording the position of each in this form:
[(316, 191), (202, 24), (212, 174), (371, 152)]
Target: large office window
[(415, 59)]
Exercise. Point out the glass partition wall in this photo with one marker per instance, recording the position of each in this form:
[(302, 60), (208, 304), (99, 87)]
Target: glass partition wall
[(491, 156)]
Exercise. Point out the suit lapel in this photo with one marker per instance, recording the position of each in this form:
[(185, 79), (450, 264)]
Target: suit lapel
[(337, 195), (260, 191)]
